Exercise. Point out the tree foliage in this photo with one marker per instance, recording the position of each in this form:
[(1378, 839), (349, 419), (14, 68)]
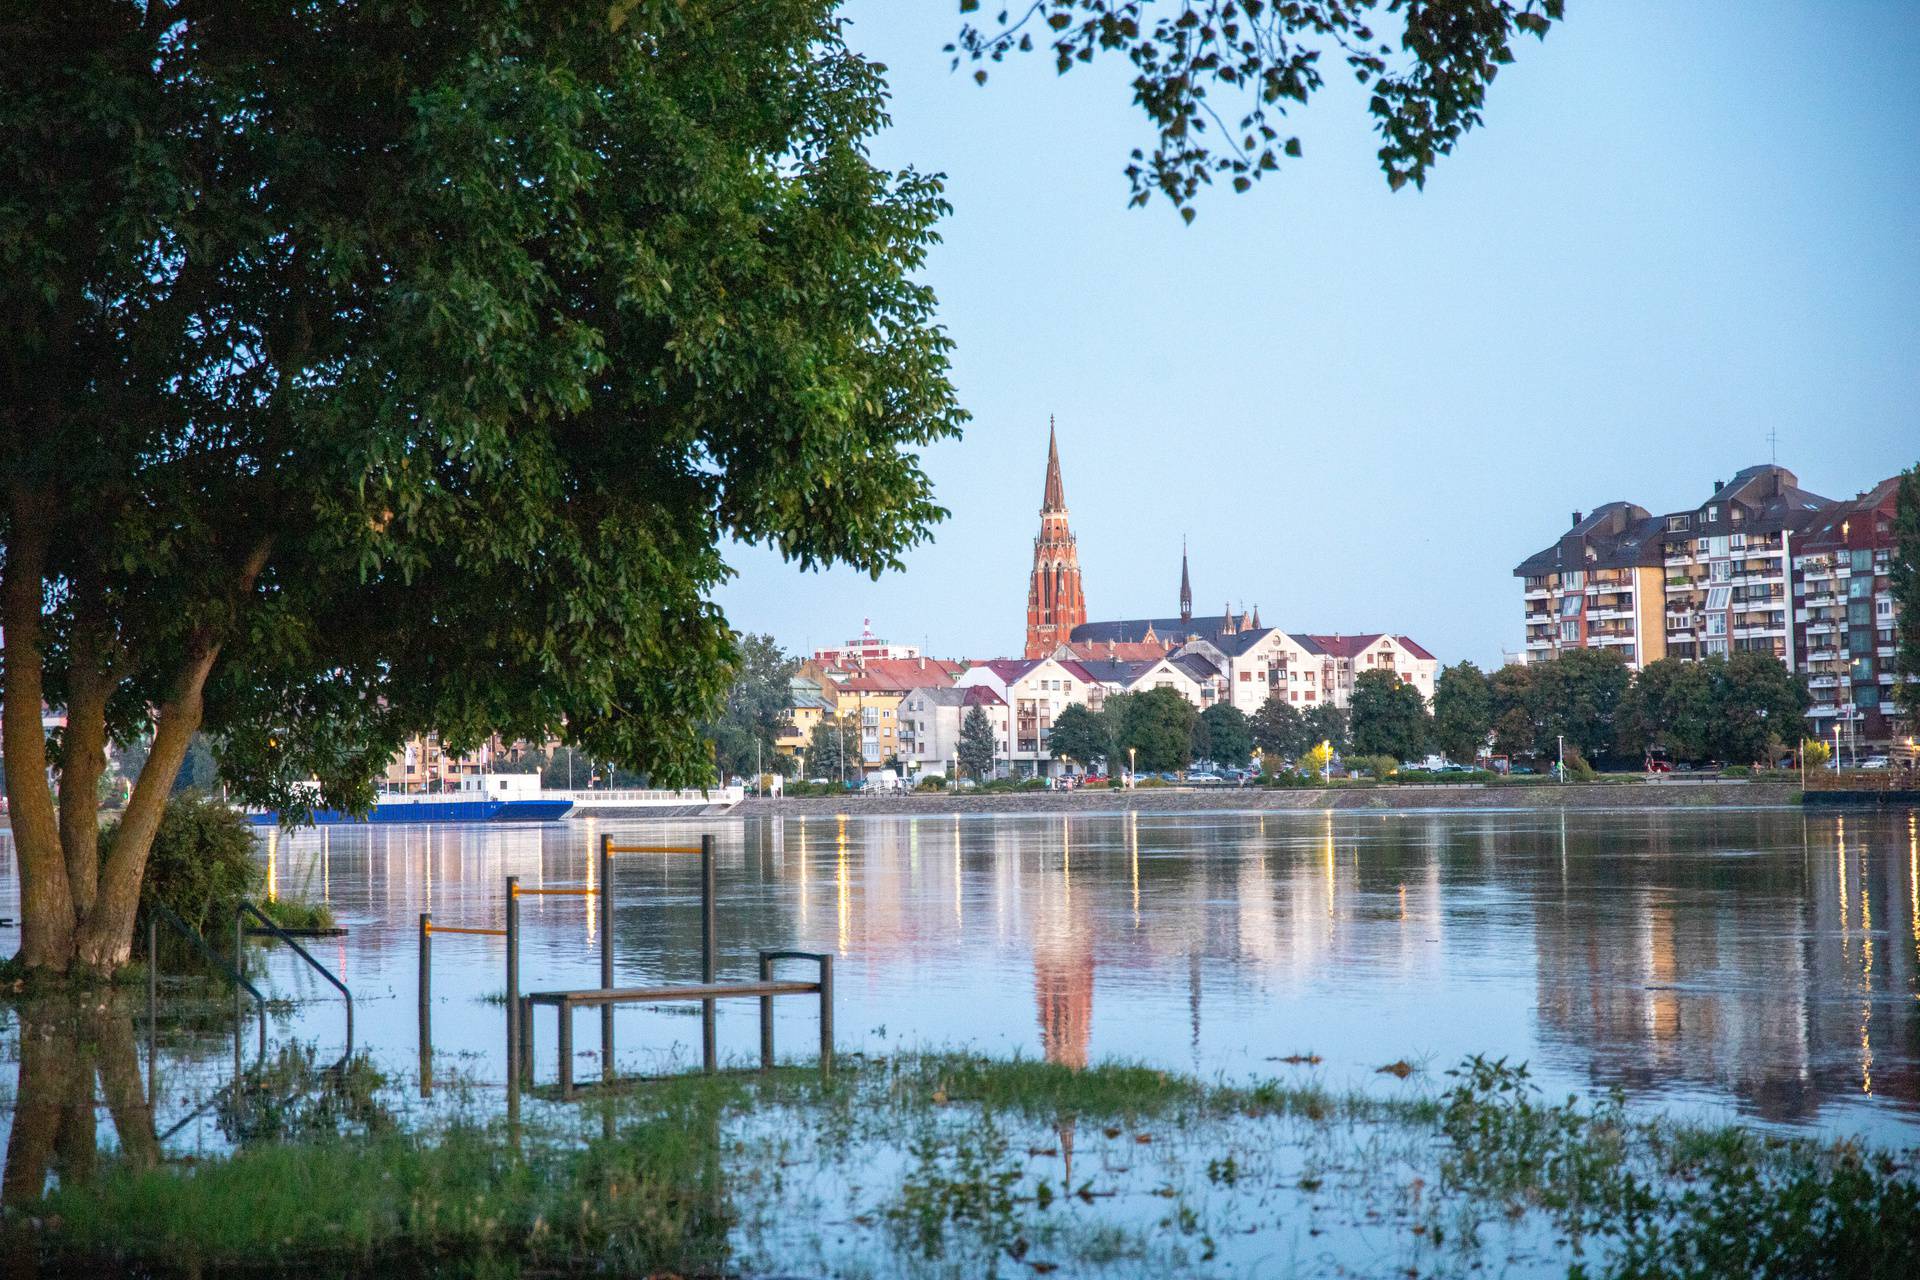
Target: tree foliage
[(1578, 694), (833, 748), (1389, 716), (1159, 730), (366, 375), (1229, 734), (1670, 705), (1218, 78), (755, 715), (1516, 729), (1279, 729), (1327, 723), (1759, 707), (979, 744), (1082, 735), (1905, 574), (1462, 712)]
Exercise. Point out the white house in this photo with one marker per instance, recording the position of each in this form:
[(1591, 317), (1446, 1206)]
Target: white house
[(930, 723)]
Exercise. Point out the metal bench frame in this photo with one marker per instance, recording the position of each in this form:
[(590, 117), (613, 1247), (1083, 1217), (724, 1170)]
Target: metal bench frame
[(566, 1003)]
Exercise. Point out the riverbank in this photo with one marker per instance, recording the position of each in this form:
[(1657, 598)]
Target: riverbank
[(936, 1165), (1598, 795)]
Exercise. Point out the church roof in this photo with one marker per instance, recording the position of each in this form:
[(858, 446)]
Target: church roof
[(1055, 498)]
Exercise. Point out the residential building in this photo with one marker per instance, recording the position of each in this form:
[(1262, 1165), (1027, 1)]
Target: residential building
[(932, 718), (1055, 601), (809, 700), (864, 647), (1036, 691), (1843, 618), (1602, 585), (1760, 566)]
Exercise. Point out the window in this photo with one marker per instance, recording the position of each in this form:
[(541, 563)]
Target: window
[(1737, 542), (1716, 624), (1883, 607), (1570, 630), (1717, 597), (1713, 514), (1720, 571), (1676, 524), (1715, 646), (1569, 607), (1574, 581)]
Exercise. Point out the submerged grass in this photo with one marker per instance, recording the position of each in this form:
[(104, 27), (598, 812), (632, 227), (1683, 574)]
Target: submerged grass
[(952, 1164)]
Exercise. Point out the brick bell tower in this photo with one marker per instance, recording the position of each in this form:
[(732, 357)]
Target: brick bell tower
[(1055, 604)]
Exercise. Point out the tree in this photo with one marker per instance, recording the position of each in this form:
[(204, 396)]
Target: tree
[(755, 716), (1159, 730), (1578, 694), (1906, 596), (978, 743), (1462, 712), (1327, 723), (834, 746), (1316, 759), (1389, 716), (1270, 55), (1759, 707), (1081, 735), (1229, 733), (1280, 730), (365, 376), (1670, 705), (1516, 722)]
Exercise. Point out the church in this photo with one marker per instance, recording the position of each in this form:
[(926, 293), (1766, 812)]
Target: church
[(1209, 657)]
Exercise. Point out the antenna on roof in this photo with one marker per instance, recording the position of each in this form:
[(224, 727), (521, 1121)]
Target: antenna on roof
[(1773, 445)]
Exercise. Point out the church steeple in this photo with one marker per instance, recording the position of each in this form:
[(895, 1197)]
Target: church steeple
[(1186, 587), (1055, 498), (1055, 605)]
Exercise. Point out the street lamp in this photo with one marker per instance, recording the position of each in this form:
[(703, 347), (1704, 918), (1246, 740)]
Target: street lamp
[(1563, 756), (1130, 754)]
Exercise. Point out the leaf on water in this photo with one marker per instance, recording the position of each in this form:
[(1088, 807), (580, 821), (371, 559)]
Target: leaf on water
[(1400, 1070)]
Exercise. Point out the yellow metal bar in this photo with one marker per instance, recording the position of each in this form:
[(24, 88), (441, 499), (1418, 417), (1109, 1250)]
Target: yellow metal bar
[(578, 893), (653, 848), (448, 928)]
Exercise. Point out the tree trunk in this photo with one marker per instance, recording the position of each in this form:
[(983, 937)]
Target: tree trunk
[(105, 939), (84, 758), (46, 901)]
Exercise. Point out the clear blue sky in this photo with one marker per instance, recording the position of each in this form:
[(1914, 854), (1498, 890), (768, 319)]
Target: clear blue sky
[(1681, 226)]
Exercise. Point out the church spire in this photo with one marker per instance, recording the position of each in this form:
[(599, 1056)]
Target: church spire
[(1186, 588), (1056, 495)]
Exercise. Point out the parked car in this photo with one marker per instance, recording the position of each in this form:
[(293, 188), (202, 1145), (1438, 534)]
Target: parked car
[(1206, 779), (1876, 762)]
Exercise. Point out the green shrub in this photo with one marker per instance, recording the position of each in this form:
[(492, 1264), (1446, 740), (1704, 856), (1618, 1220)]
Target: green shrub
[(202, 861), (295, 913), (1381, 767), (931, 782), (1737, 771), (1578, 770)]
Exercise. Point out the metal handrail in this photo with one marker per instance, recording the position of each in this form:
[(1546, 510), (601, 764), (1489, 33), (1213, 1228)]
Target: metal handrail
[(164, 912), (247, 908)]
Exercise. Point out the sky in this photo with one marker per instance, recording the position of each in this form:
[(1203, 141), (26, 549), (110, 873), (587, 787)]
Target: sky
[(1682, 229)]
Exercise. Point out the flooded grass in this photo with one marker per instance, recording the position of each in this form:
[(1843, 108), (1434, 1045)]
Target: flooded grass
[(956, 1165)]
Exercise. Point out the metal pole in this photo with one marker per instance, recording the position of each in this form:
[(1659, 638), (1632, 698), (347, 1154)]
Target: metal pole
[(766, 1015), (606, 955), (240, 968), (826, 1015), (514, 1065), (709, 1053), (426, 1004)]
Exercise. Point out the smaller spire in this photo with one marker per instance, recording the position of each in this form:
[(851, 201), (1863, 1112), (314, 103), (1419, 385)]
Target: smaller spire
[(1186, 588), (1055, 498)]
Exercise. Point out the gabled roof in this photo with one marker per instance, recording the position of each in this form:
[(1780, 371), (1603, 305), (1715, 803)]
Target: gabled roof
[(1418, 651), (1346, 646), (1117, 650), (982, 695), (1196, 666), (896, 673)]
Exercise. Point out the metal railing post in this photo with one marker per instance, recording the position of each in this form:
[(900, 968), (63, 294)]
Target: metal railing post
[(426, 1004), (514, 1065), (240, 970), (766, 1015), (565, 1037), (606, 955), (826, 1014), (709, 1051), (153, 1013)]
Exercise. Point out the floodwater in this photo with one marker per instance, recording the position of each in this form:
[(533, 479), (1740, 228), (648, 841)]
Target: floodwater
[(1750, 964)]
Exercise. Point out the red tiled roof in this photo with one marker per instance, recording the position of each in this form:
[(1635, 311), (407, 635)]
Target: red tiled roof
[(1346, 646), (879, 674), (1418, 651), (980, 695)]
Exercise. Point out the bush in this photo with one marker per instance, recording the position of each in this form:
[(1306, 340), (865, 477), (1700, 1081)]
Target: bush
[(293, 914), (202, 862), (1577, 767), (1737, 771), (1381, 767), (931, 782), (1428, 777), (1288, 779)]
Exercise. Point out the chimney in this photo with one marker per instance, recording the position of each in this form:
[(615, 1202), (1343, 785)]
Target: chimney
[(1576, 517), (1718, 485)]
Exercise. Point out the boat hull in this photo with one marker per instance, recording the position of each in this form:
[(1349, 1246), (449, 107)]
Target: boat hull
[(452, 809)]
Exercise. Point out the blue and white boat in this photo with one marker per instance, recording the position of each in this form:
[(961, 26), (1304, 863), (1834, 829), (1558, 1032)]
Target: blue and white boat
[(487, 797)]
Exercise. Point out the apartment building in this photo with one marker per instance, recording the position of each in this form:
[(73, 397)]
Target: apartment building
[(1761, 565), (931, 720), (1843, 616)]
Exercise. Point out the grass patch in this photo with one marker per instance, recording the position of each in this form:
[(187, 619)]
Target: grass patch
[(294, 913)]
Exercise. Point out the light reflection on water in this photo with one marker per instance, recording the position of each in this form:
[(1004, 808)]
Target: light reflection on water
[(1758, 963)]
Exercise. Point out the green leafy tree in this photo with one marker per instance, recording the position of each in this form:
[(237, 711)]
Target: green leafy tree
[(1280, 730), (1229, 733), (1670, 704), (756, 710), (1081, 735), (1906, 596), (1462, 712), (1159, 730), (1389, 716), (1190, 63), (978, 743), (1759, 707), (1516, 721), (1578, 694), (1113, 713), (1327, 723), (833, 747), (365, 375)]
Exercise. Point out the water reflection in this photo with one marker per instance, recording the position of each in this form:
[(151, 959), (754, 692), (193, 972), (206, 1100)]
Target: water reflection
[(1755, 961)]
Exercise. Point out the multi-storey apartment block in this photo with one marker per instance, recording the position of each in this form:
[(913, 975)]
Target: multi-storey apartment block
[(1843, 616), (1761, 566)]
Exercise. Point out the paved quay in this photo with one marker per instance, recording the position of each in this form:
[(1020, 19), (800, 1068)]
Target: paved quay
[(1650, 795)]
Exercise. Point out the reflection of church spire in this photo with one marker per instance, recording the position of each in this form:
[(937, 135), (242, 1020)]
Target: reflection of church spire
[(1063, 989), (1186, 588)]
